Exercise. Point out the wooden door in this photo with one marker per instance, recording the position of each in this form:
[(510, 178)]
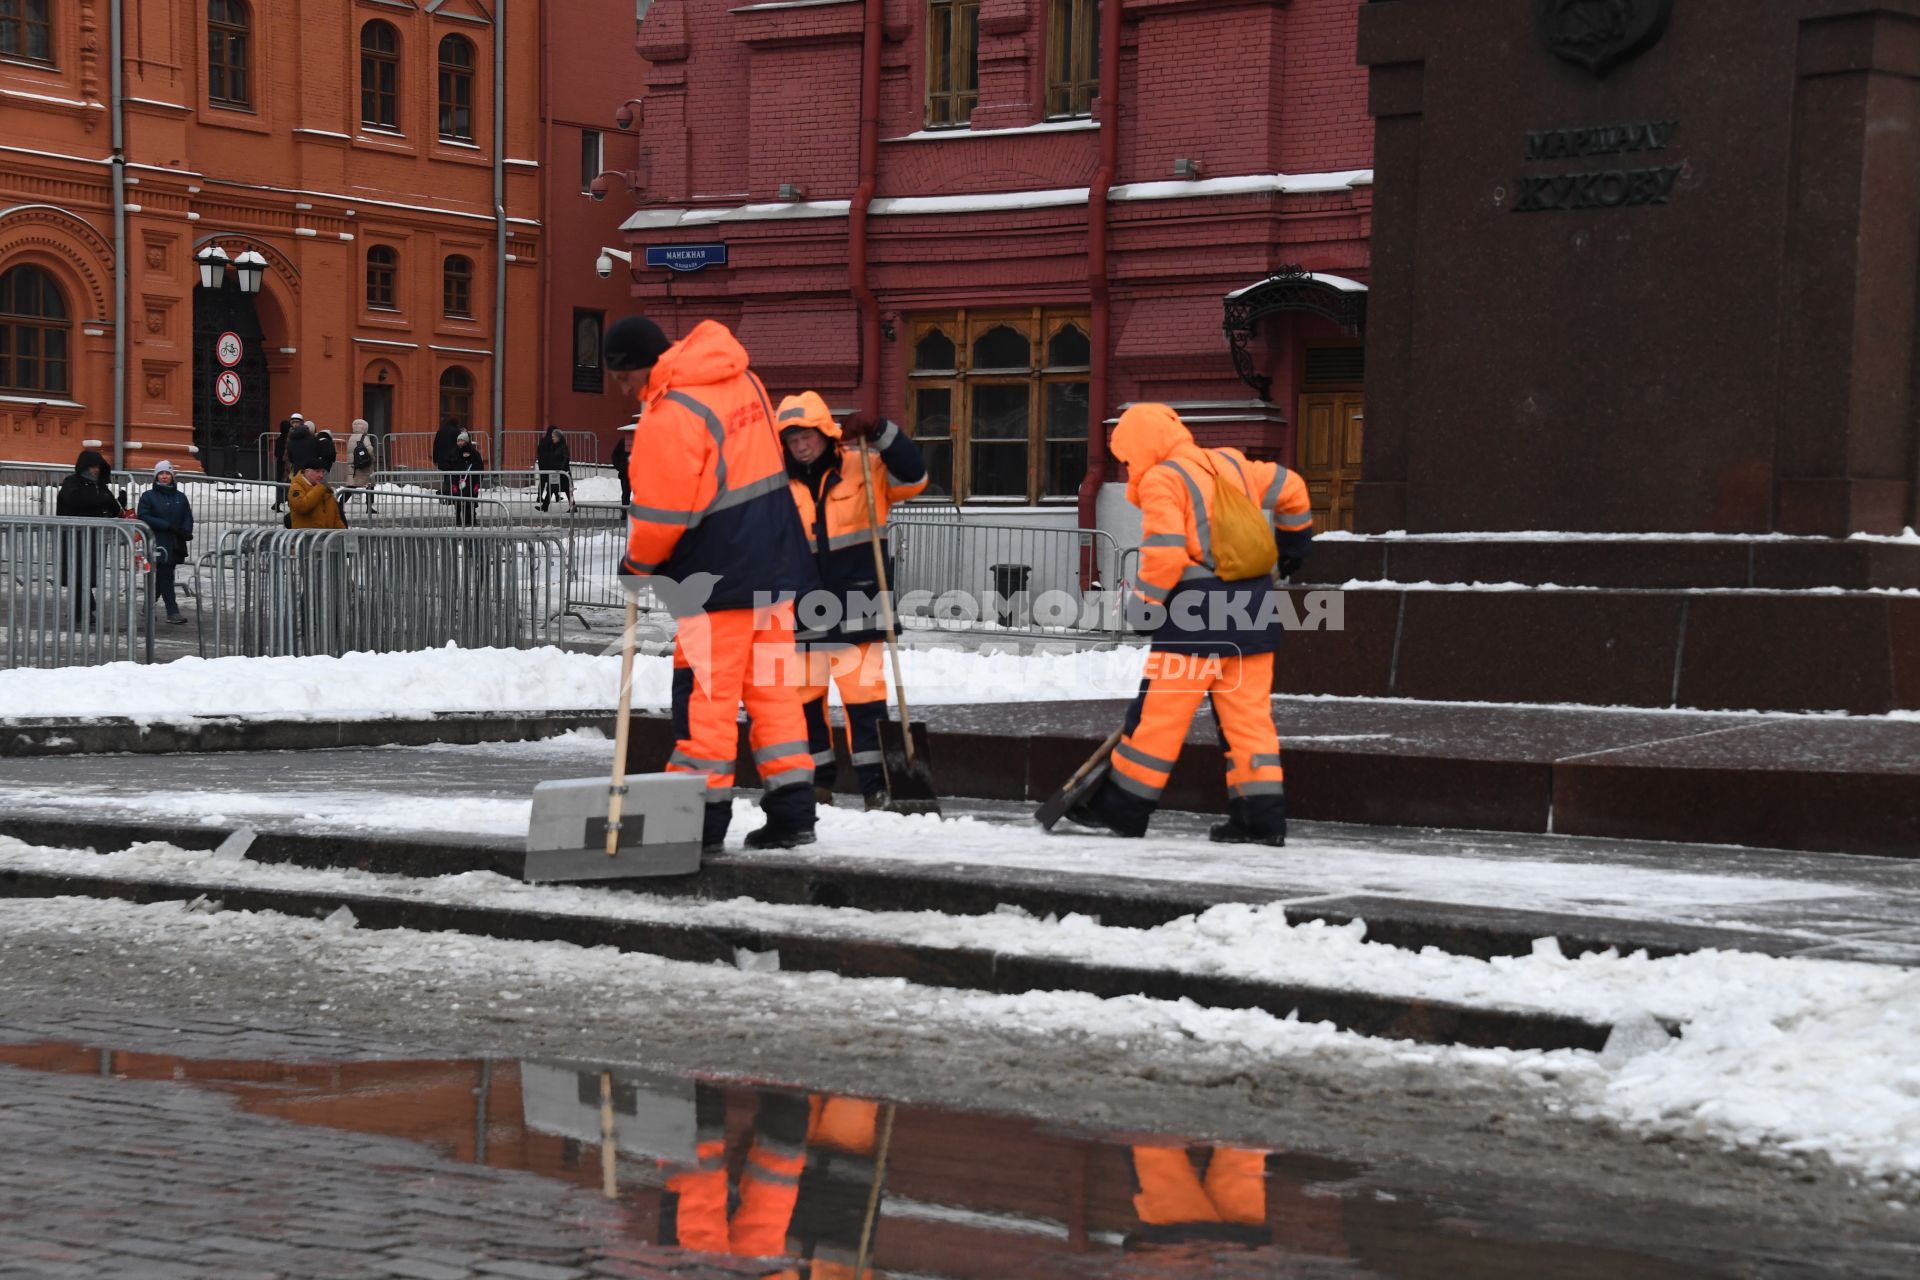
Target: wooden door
[(1329, 454)]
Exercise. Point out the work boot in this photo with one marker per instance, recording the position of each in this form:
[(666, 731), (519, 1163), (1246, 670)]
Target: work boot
[(824, 796), (1259, 820), (1111, 809), (790, 819), (1231, 832), (177, 618), (713, 833), (878, 800)]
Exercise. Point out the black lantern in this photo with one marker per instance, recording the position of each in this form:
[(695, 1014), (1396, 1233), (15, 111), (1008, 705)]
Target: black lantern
[(213, 266), (251, 267)]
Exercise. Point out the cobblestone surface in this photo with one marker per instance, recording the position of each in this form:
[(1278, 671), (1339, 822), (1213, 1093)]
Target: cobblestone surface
[(133, 1178)]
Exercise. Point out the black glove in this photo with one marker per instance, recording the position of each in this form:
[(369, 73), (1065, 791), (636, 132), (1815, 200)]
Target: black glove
[(860, 427), (1289, 565)]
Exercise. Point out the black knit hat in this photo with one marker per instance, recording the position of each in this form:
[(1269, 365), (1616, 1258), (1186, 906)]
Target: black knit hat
[(634, 342)]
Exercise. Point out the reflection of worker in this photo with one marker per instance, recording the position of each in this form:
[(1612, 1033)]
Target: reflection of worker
[(831, 489), (803, 1187), (1231, 1195)]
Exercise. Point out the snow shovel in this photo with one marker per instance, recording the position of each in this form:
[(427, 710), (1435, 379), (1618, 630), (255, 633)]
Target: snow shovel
[(1080, 785), (909, 780), (649, 825)]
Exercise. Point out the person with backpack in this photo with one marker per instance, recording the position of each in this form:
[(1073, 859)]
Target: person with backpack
[(360, 463), (1215, 526), (555, 461)]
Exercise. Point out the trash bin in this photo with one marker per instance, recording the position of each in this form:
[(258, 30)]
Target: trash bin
[(1010, 592)]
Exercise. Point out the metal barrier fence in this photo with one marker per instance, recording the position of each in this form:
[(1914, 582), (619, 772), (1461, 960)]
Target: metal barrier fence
[(281, 592), (342, 461), (948, 575), (74, 592), (33, 488), (413, 450), (954, 575)]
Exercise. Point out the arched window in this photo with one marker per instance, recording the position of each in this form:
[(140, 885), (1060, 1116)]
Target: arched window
[(383, 267), (229, 48), (380, 75), (456, 89), (26, 29), (456, 397), (33, 332), (456, 288)]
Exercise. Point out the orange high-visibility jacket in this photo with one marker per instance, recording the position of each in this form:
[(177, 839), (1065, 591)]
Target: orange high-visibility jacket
[(709, 481), (1172, 480), (831, 497)]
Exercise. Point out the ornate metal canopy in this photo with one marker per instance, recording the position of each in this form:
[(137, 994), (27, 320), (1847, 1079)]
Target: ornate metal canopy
[(1291, 288)]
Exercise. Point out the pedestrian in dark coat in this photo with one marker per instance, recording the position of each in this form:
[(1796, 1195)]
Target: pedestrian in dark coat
[(280, 472), (556, 468), (446, 446), (326, 453), (303, 452), (85, 495), (166, 511), (622, 459), (468, 464)]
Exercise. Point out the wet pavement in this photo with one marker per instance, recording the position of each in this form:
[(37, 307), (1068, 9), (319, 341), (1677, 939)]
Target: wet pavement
[(243, 1152)]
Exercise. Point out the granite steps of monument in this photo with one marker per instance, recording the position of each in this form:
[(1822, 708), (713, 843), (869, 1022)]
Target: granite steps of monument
[(1820, 784), (1721, 623)]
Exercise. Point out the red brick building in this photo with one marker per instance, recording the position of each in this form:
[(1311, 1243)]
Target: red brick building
[(1000, 220), (591, 64), (375, 154)]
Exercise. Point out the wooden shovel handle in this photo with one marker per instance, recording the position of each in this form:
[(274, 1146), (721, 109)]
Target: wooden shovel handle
[(617, 792), (886, 597)]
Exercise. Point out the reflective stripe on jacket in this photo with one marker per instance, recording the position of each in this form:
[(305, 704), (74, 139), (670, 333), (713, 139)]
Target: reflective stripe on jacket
[(1173, 483), (831, 497), (709, 480)]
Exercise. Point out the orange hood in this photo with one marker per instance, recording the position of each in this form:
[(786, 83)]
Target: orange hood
[(708, 355), (806, 410), (1146, 436)]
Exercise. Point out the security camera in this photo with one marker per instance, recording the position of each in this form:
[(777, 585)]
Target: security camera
[(604, 266), (598, 188)]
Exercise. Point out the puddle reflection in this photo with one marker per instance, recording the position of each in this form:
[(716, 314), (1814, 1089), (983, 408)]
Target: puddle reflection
[(843, 1188)]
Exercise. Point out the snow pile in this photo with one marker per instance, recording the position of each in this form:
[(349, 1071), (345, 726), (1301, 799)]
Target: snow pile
[(1773, 1054), (363, 686)]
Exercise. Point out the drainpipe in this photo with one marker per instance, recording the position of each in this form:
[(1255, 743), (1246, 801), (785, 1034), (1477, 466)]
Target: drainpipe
[(115, 46), (500, 224), (1101, 295), (546, 221), (858, 216)]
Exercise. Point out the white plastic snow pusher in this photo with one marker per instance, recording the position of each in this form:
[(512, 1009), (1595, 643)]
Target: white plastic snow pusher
[(590, 829)]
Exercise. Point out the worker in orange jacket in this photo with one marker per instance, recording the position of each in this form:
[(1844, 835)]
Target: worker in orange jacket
[(1211, 637), (831, 490), (802, 1189), (712, 528)]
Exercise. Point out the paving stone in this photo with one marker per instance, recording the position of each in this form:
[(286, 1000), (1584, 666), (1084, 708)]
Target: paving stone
[(420, 1269), (529, 1271)]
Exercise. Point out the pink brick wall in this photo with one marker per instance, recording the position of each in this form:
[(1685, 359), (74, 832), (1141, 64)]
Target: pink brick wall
[(739, 103)]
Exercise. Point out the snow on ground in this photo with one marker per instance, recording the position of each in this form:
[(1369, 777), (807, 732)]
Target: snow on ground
[(1793, 1055), (365, 686), (1305, 870)]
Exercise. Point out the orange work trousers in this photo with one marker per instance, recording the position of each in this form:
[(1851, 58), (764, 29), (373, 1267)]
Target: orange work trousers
[(722, 661), (862, 679), (1172, 1193), (1174, 686)]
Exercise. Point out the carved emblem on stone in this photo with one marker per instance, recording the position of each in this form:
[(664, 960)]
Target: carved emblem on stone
[(156, 256), (1601, 34), (156, 386), (156, 320)]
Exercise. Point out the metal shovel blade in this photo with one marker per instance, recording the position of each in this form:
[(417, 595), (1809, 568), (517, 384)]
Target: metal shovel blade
[(1085, 780), (910, 786), (660, 826)]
